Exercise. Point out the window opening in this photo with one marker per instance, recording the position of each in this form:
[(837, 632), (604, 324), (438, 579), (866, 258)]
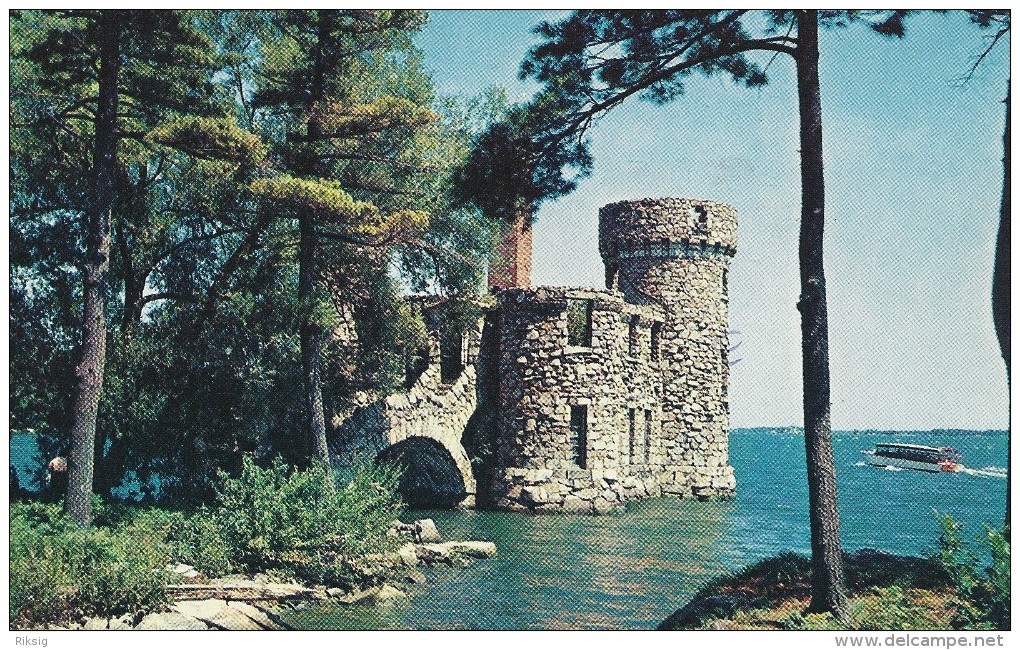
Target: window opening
[(579, 322), (632, 435), (579, 434), (656, 336), (648, 433)]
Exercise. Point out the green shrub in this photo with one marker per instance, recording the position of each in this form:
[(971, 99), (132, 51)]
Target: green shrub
[(896, 608), (60, 572), (983, 591), (278, 517), (194, 538)]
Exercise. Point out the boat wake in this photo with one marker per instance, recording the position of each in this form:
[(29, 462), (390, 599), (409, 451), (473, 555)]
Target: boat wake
[(995, 472)]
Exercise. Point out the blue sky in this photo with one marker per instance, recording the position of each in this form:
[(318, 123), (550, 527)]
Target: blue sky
[(913, 181)]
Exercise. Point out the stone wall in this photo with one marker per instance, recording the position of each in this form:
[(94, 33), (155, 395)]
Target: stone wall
[(583, 399), (675, 253), (539, 462), (431, 408)]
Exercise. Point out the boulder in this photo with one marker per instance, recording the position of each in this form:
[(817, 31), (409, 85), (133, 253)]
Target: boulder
[(96, 624), (574, 504), (425, 531), (170, 621), (255, 614), (125, 622), (387, 593), (700, 610), (217, 613), (473, 549), (407, 555), (432, 551), (359, 597)]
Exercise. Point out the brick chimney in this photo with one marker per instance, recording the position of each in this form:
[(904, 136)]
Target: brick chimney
[(510, 264)]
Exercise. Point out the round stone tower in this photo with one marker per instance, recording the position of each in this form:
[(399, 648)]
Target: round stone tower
[(675, 253)]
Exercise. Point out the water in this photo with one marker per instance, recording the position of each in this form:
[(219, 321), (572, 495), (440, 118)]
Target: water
[(29, 464), (630, 571)]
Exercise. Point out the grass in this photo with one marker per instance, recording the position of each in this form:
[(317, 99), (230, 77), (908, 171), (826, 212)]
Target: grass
[(886, 592)]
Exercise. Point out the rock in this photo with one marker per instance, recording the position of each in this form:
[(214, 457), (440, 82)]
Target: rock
[(97, 624), (217, 613), (416, 577), (335, 592), (170, 621), (425, 531), (359, 597), (534, 494), (232, 588), (254, 613), (574, 504), (123, 623), (407, 555), (473, 549), (429, 553), (398, 528), (387, 593), (700, 610)]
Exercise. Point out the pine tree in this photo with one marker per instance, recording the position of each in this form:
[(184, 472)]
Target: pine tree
[(362, 165), (594, 60), (98, 87)]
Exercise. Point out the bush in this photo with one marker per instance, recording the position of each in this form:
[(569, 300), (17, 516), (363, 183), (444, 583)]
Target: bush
[(896, 608), (983, 591), (60, 572), (278, 517), (268, 518), (193, 538)]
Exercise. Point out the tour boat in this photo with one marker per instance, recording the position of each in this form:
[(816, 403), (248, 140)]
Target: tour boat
[(920, 457)]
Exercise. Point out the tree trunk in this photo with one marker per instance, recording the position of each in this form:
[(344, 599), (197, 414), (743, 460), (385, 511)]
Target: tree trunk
[(1000, 282), (827, 585), (134, 285), (311, 334), (92, 359), (311, 337), (219, 284)]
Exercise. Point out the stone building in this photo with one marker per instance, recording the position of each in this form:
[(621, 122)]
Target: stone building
[(580, 399)]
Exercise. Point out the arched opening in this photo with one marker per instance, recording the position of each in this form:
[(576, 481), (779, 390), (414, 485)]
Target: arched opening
[(429, 475)]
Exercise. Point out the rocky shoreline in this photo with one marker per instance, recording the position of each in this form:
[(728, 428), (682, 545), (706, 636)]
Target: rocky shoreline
[(258, 602)]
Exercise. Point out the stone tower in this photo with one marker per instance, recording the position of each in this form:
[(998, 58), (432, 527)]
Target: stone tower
[(675, 254)]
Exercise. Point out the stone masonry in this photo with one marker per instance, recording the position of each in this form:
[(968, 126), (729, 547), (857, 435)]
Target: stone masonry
[(639, 409), (589, 397), (430, 409), (548, 458)]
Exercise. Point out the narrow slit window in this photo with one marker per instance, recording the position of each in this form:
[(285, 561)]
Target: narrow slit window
[(648, 433), (632, 435), (579, 322), (656, 340), (579, 434), (633, 344)]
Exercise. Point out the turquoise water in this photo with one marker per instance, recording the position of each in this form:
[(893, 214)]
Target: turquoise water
[(630, 571)]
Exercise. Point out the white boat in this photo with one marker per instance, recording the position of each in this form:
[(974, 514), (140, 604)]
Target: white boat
[(919, 457)]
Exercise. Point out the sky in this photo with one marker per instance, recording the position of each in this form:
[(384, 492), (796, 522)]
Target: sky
[(913, 161)]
